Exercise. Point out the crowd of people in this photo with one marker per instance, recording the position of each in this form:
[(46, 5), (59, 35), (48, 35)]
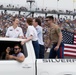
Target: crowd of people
[(32, 28)]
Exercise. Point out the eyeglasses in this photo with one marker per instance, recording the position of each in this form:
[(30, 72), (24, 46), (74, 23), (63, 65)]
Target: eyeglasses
[(16, 48)]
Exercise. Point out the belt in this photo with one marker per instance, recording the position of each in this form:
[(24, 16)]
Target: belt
[(54, 42)]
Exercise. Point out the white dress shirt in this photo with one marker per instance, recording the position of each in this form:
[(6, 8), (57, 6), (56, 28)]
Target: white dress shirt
[(32, 31)]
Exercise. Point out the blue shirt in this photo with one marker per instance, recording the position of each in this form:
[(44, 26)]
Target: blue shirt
[(40, 34)]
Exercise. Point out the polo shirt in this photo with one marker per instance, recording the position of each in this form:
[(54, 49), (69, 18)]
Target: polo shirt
[(14, 33)]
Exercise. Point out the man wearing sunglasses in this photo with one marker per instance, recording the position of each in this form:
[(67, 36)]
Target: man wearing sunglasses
[(55, 38), (18, 55)]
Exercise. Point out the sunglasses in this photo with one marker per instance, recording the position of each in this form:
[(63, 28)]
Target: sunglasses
[(16, 48), (46, 20)]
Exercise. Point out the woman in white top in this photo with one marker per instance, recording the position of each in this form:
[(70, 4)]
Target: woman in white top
[(15, 31), (31, 34)]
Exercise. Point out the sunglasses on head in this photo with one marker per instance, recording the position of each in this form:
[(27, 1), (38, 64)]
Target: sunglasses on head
[(16, 48)]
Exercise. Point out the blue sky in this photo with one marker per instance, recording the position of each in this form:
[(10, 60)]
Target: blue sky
[(50, 4)]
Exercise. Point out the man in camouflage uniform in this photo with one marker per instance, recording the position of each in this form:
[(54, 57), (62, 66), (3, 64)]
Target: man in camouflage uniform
[(55, 38)]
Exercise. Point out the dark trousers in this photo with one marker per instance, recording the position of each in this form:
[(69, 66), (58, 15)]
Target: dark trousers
[(41, 51), (36, 48), (59, 53)]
